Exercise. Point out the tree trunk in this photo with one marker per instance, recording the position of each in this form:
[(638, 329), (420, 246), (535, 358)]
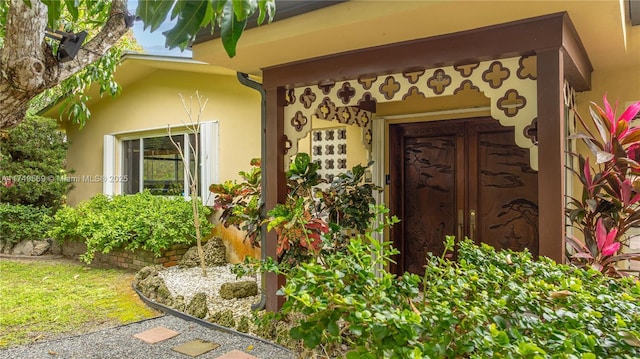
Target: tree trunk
[(27, 64)]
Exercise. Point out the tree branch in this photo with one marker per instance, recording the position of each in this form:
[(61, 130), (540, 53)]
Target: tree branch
[(110, 33), (27, 64)]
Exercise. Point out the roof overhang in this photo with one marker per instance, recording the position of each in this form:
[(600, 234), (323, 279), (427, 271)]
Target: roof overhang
[(136, 67), (603, 26)]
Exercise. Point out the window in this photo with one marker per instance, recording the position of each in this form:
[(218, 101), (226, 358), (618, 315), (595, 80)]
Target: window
[(155, 164), (151, 161)]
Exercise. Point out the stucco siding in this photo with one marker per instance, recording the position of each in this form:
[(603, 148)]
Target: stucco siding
[(153, 102)]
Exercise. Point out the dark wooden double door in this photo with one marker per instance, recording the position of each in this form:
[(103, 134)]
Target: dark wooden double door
[(463, 178)]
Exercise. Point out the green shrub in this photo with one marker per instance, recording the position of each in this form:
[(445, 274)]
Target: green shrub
[(20, 222), (486, 304), (140, 221), (32, 164)]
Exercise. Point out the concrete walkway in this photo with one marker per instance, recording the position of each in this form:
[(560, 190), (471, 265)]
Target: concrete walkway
[(162, 337)]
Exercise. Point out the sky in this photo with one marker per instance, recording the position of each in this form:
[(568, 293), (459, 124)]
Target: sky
[(153, 42)]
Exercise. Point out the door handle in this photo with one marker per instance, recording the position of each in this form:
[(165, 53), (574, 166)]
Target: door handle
[(460, 224), (472, 223)]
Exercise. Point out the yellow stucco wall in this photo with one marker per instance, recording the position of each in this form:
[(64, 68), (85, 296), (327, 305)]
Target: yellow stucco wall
[(153, 102), (619, 84)]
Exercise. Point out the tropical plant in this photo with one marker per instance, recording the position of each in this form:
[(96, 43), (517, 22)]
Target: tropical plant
[(239, 202), (316, 216), (298, 221), (609, 205)]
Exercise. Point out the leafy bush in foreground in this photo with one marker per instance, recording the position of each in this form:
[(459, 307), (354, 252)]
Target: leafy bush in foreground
[(144, 221), (487, 304)]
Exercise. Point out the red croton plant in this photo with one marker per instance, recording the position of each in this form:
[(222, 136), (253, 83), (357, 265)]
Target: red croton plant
[(609, 208)]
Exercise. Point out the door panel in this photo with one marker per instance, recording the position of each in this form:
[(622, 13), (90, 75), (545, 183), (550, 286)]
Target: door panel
[(441, 172), (430, 195), (505, 189)]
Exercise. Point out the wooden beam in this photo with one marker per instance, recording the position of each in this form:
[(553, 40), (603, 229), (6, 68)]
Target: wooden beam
[(577, 67), (487, 43)]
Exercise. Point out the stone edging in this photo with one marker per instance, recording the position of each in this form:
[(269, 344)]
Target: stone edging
[(168, 310), (44, 257)]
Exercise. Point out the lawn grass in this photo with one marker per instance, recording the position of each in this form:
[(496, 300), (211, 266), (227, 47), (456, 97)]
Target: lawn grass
[(43, 300)]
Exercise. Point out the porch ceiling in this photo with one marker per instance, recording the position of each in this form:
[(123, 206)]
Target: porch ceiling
[(603, 26)]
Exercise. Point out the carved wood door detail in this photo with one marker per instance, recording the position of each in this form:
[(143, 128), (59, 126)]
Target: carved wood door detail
[(462, 178)]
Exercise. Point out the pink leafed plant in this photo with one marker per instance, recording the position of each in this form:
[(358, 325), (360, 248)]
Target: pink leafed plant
[(609, 205)]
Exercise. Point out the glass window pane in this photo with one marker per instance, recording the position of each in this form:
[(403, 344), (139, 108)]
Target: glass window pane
[(131, 166), (163, 168)]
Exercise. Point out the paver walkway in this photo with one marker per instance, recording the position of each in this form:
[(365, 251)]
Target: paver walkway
[(162, 337)]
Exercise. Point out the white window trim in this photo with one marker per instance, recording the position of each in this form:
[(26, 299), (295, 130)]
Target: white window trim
[(109, 165), (209, 156), (209, 152)]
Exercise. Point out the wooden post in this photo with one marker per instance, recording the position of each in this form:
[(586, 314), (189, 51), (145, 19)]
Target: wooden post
[(276, 186), (551, 154)]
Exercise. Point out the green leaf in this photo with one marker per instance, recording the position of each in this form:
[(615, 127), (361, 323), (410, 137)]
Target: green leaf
[(267, 9), (177, 9), (262, 11), (300, 163), (72, 6), (333, 329), (188, 24), (218, 6), (296, 333), (243, 8), (312, 339), (230, 29), (356, 330), (208, 15), (54, 9), (500, 321), (153, 12), (380, 332)]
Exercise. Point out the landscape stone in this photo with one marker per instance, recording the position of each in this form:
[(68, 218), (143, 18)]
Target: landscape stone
[(243, 324), (177, 303), (40, 247), (54, 246), (23, 248), (214, 254), (240, 289), (7, 248), (198, 306), (224, 318), (151, 285)]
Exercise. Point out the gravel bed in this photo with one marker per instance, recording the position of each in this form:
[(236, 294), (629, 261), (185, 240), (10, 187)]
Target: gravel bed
[(119, 343), (187, 282)]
